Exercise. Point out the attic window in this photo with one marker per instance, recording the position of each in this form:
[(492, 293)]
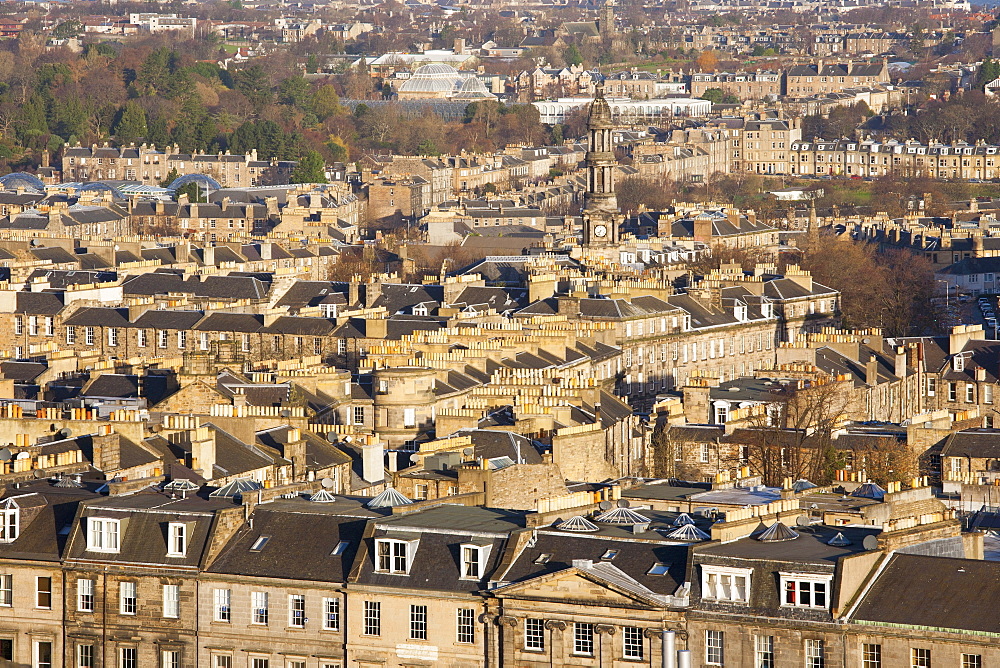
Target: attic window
[(9, 521), (341, 548), (609, 555), (659, 568), (103, 534), (259, 544), (543, 558)]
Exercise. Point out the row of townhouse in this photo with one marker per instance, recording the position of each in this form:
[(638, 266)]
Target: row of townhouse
[(150, 166), (909, 159), (212, 581)]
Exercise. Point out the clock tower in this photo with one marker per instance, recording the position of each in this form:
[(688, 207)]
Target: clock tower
[(600, 209)]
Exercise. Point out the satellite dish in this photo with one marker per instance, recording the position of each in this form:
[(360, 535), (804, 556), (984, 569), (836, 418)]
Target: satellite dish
[(331, 436), (327, 483), (870, 542), (623, 503), (65, 432), (468, 452), (39, 473), (802, 521), (604, 505), (5, 455), (22, 455)]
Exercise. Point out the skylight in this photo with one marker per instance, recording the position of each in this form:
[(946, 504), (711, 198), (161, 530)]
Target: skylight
[(341, 548), (543, 558), (659, 568), (259, 544), (609, 555)]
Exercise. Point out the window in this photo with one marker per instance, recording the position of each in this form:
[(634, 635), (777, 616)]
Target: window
[(341, 548), (331, 614), (534, 635), (43, 654), (931, 386), (804, 591), (725, 584), (171, 601), (952, 391), (871, 655), (71, 335), (970, 393), (223, 661), (33, 325), (466, 629), (177, 545), (102, 535), (373, 618), (128, 657), (297, 611), (473, 561), (19, 325), (814, 653), (418, 622), (84, 656), (633, 642), (583, 639), (170, 658), (987, 394), (393, 556), (88, 335), (359, 415), (223, 599), (260, 662), (161, 338), (659, 568), (126, 598), (140, 338), (6, 590), (703, 458), (258, 605), (259, 544), (713, 647), (43, 592), (763, 651), (972, 661), (112, 336), (85, 595), (420, 490), (9, 521), (920, 658), (295, 663), (409, 417)]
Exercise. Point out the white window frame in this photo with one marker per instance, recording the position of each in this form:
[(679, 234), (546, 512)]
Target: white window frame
[(634, 645), (715, 580), (6, 590), (331, 614), (583, 639), (465, 626), (222, 605), (534, 634), (177, 539), (920, 657), (84, 595), (805, 586), (10, 521), (297, 611), (103, 535), (171, 601), (170, 658), (763, 651), (141, 338), (394, 556), (128, 598), (258, 608), (814, 652), (474, 561), (84, 656), (372, 620), (715, 647), (128, 657), (418, 622)]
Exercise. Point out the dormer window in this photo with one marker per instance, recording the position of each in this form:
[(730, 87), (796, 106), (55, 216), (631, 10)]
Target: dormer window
[(103, 534), (474, 561), (725, 584), (394, 556), (805, 590), (177, 535), (10, 521), (959, 362)]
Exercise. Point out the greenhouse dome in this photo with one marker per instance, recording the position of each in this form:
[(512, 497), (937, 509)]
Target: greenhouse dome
[(442, 82), (16, 180)]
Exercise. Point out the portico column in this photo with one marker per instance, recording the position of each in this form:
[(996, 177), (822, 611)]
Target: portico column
[(605, 635), (555, 627), (507, 625)]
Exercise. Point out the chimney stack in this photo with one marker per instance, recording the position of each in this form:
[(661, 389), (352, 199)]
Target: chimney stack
[(373, 462)]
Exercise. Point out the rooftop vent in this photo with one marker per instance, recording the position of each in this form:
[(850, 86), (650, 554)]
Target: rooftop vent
[(776, 533), (682, 519), (688, 532), (840, 540), (577, 523), (389, 498), (869, 490), (622, 516)]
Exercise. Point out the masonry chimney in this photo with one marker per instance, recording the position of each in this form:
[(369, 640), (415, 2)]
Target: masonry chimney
[(203, 452), (900, 370), (871, 371), (372, 462), (295, 451)]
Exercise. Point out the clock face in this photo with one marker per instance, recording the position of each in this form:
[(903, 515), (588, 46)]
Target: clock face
[(600, 230)]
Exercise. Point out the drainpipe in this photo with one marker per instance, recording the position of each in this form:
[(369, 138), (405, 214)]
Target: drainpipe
[(669, 649), (684, 658)]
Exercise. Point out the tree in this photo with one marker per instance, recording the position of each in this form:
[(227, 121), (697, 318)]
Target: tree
[(338, 148), (326, 103), (707, 61), (713, 95), (636, 191), (988, 71), (294, 91), (70, 28), (310, 169), (171, 176), (131, 124), (572, 55), (253, 82)]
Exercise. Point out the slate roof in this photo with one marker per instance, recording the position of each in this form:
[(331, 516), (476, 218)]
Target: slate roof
[(939, 592), (303, 536), (168, 319), (38, 303), (974, 443), (94, 316)]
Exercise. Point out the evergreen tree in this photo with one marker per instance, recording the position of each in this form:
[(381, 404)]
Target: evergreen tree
[(131, 123), (310, 169)]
